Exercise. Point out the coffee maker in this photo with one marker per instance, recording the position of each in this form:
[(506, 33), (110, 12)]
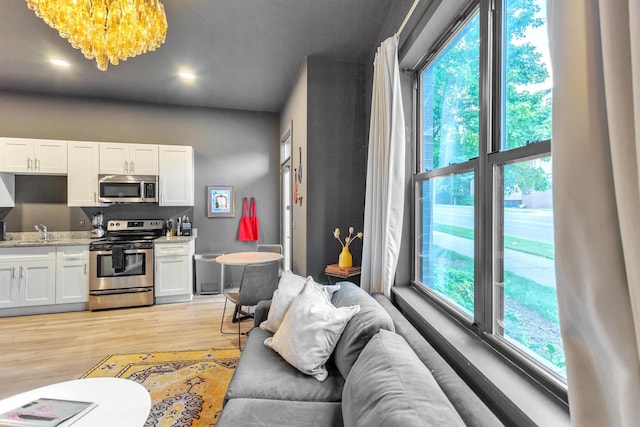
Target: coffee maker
[(98, 226)]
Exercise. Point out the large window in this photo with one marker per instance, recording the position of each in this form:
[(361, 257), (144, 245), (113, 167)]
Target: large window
[(484, 223)]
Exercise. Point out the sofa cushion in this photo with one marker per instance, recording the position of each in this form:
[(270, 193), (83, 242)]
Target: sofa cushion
[(266, 412), (371, 318), (472, 409), (310, 330), (261, 373), (389, 386)]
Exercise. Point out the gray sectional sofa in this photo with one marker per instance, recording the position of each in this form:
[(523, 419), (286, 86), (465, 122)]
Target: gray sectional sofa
[(382, 372)]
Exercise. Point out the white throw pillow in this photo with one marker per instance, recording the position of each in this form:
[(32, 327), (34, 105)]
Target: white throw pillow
[(289, 287), (310, 330)]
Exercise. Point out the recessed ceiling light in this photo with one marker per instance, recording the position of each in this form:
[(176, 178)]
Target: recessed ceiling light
[(60, 63), (186, 75)]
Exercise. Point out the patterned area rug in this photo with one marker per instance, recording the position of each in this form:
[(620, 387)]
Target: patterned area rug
[(186, 387)]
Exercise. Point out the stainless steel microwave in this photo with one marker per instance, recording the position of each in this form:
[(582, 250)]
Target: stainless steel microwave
[(128, 189)]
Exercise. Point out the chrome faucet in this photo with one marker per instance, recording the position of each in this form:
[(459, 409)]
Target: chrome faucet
[(43, 230)]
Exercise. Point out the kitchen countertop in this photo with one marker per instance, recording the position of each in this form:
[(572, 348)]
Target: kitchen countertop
[(56, 238), (68, 238), (37, 243)]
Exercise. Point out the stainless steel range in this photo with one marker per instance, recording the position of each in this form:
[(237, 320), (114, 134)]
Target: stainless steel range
[(121, 265)]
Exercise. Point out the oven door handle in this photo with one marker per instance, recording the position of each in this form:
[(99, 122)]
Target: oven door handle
[(126, 251), (121, 291)]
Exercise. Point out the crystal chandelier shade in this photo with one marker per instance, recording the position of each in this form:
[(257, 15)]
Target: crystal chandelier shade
[(107, 30)]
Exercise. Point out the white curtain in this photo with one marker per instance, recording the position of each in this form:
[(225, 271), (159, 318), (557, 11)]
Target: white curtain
[(384, 198), (595, 47)]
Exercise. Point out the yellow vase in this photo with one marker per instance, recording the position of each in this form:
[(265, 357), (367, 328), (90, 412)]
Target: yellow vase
[(345, 259)]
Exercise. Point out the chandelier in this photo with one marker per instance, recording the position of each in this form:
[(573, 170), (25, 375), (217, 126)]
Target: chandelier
[(107, 30)]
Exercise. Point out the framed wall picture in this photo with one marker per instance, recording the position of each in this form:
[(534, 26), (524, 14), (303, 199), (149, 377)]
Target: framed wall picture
[(220, 201)]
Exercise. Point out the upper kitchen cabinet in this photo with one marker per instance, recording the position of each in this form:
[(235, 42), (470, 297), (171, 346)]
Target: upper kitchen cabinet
[(176, 175), (82, 177), (33, 156), (128, 159)]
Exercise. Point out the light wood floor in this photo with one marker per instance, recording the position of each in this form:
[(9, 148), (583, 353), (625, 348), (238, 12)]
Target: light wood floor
[(48, 348)]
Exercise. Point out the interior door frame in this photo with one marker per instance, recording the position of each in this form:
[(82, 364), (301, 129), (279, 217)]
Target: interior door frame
[(286, 197)]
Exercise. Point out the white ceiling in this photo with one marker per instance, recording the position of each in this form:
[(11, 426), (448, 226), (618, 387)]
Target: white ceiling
[(245, 53)]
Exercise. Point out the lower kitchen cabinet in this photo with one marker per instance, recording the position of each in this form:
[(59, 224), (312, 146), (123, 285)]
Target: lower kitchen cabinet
[(72, 274), (9, 286), (27, 277), (173, 275)]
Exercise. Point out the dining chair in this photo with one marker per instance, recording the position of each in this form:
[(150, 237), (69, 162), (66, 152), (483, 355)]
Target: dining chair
[(276, 248), (258, 283)]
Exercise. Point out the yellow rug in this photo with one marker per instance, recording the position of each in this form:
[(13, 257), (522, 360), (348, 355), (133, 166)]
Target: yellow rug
[(186, 387)]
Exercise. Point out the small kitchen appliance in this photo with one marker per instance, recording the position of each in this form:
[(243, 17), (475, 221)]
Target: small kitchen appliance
[(186, 226), (98, 226), (128, 189)]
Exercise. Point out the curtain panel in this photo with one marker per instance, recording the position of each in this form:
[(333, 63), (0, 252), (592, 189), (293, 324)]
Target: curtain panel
[(595, 52), (384, 196)]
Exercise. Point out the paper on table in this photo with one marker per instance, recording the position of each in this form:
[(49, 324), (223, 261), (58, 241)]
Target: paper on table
[(45, 412)]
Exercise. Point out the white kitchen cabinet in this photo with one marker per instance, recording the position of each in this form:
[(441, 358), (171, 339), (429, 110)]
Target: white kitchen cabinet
[(33, 156), (82, 175), (176, 175), (128, 159), (27, 277), (72, 274), (9, 287), (173, 276)]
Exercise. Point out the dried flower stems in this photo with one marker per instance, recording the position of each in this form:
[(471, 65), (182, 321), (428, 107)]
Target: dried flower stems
[(350, 238)]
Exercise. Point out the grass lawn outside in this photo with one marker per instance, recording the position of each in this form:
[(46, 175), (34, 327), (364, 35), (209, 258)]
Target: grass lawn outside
[(545, 250), (530, 315)]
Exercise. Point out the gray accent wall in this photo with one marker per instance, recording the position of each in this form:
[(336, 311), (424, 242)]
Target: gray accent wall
[(327, 110), (232, 147)]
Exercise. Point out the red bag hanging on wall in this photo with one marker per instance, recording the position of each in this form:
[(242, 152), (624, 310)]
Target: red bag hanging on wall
[(254, 219), (245, 230)]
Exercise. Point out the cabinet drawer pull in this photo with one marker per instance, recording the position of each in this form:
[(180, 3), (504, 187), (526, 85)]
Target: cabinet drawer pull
[(73, 255), (126, 166), (13, 273), (85, 268)]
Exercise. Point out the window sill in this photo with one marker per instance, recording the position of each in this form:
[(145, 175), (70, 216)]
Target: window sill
[(512, 395)]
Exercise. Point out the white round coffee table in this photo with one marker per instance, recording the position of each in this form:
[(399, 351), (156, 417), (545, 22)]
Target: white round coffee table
[(122, 403)]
